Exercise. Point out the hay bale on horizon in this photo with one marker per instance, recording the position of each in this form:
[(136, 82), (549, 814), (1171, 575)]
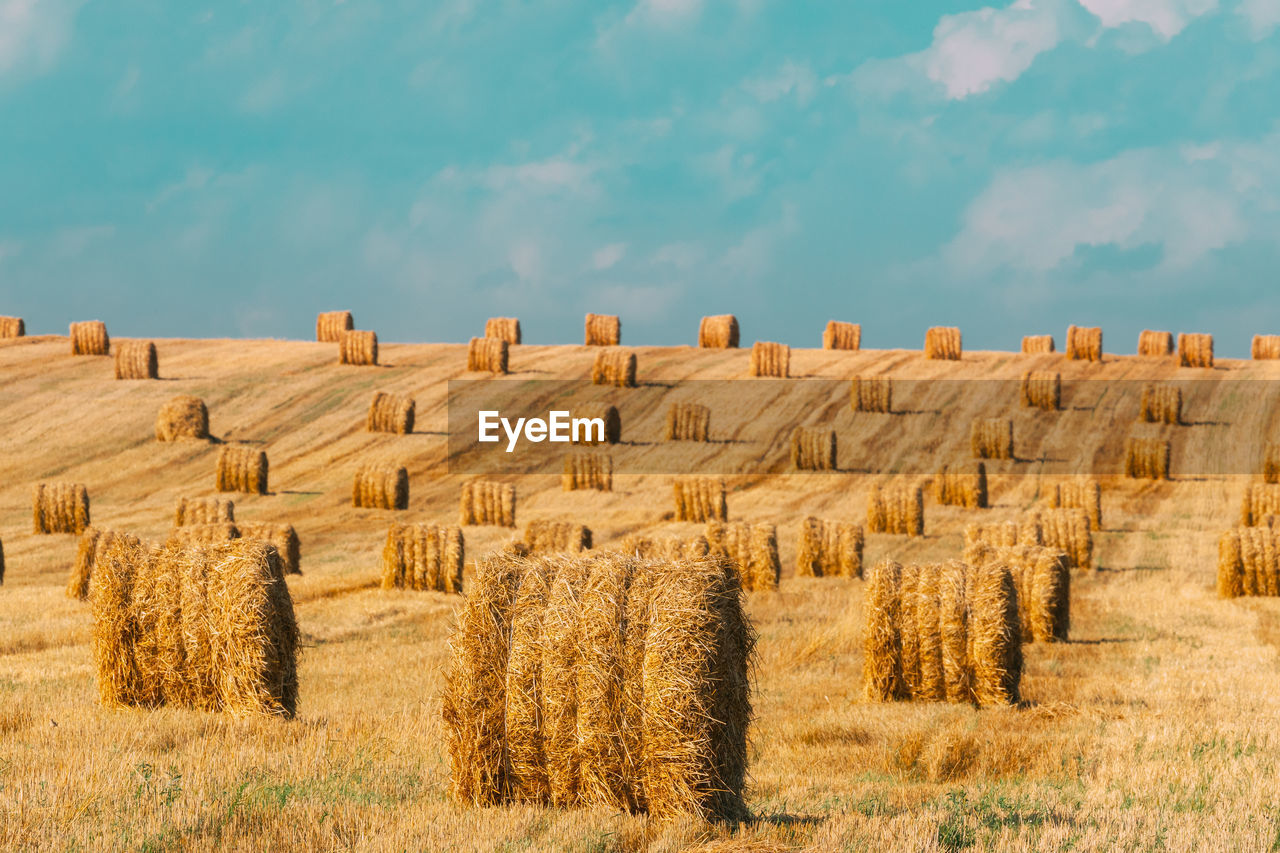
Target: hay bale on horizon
[(488, 355), (602, 330), (1042, 390), (896, 509), (871, 394), (1161, 403), (12, 327), (700, 499), (813, 449), (1260, 500), (1084, 343), (556, 537), (843, 336), (59, 508), (1067, 530), (1152, 344), (357, 347), (614, 367), (283, 537), (719, 331), (423, 557), (1264, 347), (587, 470), (1037, 344), (487, 502), (136, 360), (504, 329), (1043, 578), (90, 338), (390, 413), (610, 423), (751, 549), (829, 549), (688, 422), (943, 343), (242, 469), (331, 324), (183, 416), (203, 511), (93, 543), (1195, 350), (991, 438), (962, 484), (770, 359), (1146, 458), (1083, 494), (377, 485)]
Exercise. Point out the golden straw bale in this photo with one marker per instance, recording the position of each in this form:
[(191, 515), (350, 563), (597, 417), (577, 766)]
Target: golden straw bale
[(995, 636), (1067, 530), (193, 535), (882, 675), (871, 394), (423, 557), (561, 655), (183, 416), (587, 470), (751, 550), (614, 367), (1146, 458), (136, 360), (896, 509), (991, 438), (1079, 494), (1248, 562), (943, 343), (1195, 350), (203, 511), (1260, 500), (665, 548), (770, 359), (719, 331), (488, 355), (1043, 578), (90, 338), (1084, 343), (12, 327), (488, 502), (390, 413), (359, 348), (1155, 344), (829, 549), (963, 484), (59, 508), (1042, 390), (1001, 534), (1037, 344), (813, 449), (1271, 463), (528, 780), (846, 336), (700, 499), (93, 542), (281, 536), (1264, 347), (331, 324), (380, 486), (242, 469), (606, 423), (688, 422), (503, 328), (556, 537), (603, 330), (1161, 404), (2, 562)]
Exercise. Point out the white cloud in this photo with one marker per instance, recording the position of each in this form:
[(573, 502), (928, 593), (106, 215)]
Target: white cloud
[(525, 259), (1263, 16), (34, 32), (682, 256), (734, 171), (607, 257), (196, 178), (265, 95), (791, 79), (664, 12), (1166, 18), (553, 174)]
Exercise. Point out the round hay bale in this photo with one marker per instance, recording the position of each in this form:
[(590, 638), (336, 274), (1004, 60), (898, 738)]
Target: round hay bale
[(90, 338), (718, 332), (136, 360), (331, 324), (182, 417)]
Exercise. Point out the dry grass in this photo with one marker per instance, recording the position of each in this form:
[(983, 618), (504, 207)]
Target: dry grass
[(813, 449), (719, 331), (136, 360), (391, 413), (331, 324), (1265, 347), (377, 485), (488, 355), (871, 394), (607, 415), (614, 367), (12, 327), (991, 438), (845, 336), (423, 557), (90, 338), (182, 417), (943, 343), (358, 348), (587, 470), (1259, 501), (283, 537), (750, 549), (556, 537), (1161, 404), (603, 330), (1066, 529), (59, 508), (829, 549), (1043, 578), (1037, 344), (963, 484), (700, 499), (1083, 494), (1084, 343), (203, 511), (1042, 390), (488, 502), (896, 509), (242, 469), (503, 328), (1195, 350), (770, 359), (688, 422), (1155, 344), (1146, 458)]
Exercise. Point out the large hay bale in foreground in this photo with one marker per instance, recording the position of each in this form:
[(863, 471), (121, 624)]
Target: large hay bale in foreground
[(488, 502), (700, 499), (688, 422), (963, 484), (751, 549), (202, 534), (605, 426), (1067, 530), (488, 355), (1195, 350), (665, 548), (503, 328), (1146, 458), (614, 367), (390, 413), (380, 486), (829, 549), (943, 343), (209, 627), (1079, 494), (871, 394), (991, 438), (93, 543), (1161, 404), (938, 632), (424, 557), (183, 416), (770, 359), (896, 509), (1084, 343), (59, 508), (719, 331), (203, 511), (1248, 562), (136, 360), (12, 327), (90, 338), (1260, 500), (601, 681), (281, 536), (242, 469), (602, 330), (587, 470), (813, 449), (1037, 344), (845, 336), (1043, 578), (556, 537), (357, 347), (1042, 390), (331, 324), (1265, 347), (1154, 344)]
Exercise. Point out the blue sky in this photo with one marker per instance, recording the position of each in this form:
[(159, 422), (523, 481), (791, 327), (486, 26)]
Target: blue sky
[(230, 170)]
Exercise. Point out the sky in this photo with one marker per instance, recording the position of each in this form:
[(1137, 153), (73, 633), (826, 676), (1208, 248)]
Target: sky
[(229, 170)]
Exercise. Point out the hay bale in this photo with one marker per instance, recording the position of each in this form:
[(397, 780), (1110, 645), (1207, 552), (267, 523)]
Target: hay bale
[(561, 654), (331, 324), (770, 359), (607, 416), (1, 562), (995, 635), (1067, 530), (1161, 404), (488, 502), (193, 535), (1037, 344), (1195, 350), (845, 336), (751, 550), (700, 499), (1146, 458), (665, 548), (943, 343), (242, 469), (614, 367), (1042, 390), (882, 676), (719, 331), (556, 537), (587, 470), (136, 360), (93, 542), (963, 484), (1248, 562), (871, 394), (1079, 494), (90, 338), (1271, 463), (896, 509), (203, 511), (59, 508), (12, 327), (688, 422), (280, 536), (1155, 344), (423, 557), (1260, 500), (358, 348), (991, 438), (603, 330), (380, 486), (503, 328), (390, 413), (488, 355), (1084, 343), (1043, 578), (813, 449), (829, 549), (182, 417), (1264, 347)]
